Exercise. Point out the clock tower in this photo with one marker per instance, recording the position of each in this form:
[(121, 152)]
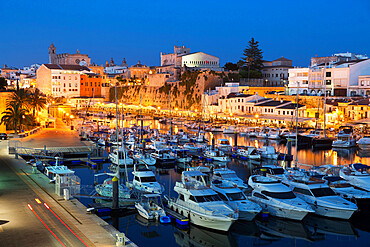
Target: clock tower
[(52, 53)]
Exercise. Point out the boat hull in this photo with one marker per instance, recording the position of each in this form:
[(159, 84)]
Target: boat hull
[(332, 212), (207, 221)]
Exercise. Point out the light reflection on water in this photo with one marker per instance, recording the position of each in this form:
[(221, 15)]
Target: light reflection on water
[(313, 231)]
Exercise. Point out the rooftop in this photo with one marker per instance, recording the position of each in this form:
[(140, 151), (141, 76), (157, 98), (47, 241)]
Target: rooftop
[(290, 106), (66, 67), (272, 103)]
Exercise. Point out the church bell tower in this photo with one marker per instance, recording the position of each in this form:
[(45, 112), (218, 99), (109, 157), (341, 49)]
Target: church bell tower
[(52, 53)]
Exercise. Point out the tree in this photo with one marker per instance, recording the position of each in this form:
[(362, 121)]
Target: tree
[(252, 57), (37, 101), (231, 66), (21, 96), (15, 116), (3, 83)]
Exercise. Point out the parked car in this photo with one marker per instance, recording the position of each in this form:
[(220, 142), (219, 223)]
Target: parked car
[(3, 136)]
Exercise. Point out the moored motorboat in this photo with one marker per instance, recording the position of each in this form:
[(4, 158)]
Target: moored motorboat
[(277, 198), (235, 198), (322, 198), (201, 204)]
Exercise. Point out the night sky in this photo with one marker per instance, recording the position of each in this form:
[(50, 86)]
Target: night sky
[(140, 30)]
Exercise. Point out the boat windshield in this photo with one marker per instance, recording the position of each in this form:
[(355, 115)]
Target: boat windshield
[(320, 192), (224, 142), (235, 196), (148, 179), (279, 195), (208, 198), (228, 175), (278, 171)]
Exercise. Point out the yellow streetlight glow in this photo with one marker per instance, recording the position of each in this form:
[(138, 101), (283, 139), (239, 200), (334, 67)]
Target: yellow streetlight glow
[(176, 109), (71, 116), (67, 114), (196, 110), (256, 116), (158, 107)]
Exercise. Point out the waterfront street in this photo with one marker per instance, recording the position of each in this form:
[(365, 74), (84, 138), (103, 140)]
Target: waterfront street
[(22, 218)]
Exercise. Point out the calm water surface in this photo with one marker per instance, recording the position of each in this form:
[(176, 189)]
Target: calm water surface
[(312, 231)]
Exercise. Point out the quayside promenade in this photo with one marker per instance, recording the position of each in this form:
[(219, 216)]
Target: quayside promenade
[(31, 214)]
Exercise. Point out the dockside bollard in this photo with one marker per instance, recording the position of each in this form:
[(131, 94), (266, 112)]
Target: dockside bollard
[(115, 203), (121, 239), (34, 168)]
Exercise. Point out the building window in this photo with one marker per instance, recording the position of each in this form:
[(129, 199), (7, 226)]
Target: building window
[(70, 85), (328, 74)]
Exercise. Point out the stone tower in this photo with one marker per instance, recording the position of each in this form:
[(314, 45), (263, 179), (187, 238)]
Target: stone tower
[(52, 53)]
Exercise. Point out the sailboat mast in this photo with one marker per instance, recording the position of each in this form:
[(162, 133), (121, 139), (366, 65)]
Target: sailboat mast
[(324, 100), (169, 96), (115, 91), (296, 128)]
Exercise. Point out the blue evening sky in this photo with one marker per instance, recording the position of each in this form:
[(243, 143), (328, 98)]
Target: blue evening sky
[(140, 30)]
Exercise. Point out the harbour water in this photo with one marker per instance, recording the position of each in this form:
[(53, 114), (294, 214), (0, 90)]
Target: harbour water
[(312, 231)]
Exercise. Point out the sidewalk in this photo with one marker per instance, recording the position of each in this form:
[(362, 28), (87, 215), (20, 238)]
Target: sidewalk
[(94, 230)]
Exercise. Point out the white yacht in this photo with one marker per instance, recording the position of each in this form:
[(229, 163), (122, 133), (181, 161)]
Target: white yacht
[(163, 156), (315, 133), (357, 175), (117, 157), (230, 130), (252, 132), (364, 143), (216, 155), (268, 152), (101, 142), (201, 204), (216, 128), (144, 180), (248, 153), (181, 155), (149, 207), (277, 198), (322, 198), (224, 145), (345, 138), (145, 158), (264, 133), (106, 189), (274, 134), (236, 199), (229, 175), (194, 148), (346, 190)]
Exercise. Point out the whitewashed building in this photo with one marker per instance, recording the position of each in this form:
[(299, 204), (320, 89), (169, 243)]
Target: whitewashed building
[(338, 79)]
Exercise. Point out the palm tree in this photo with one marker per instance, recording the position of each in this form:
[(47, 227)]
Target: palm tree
[(36, 101), (14, 115), (21, 96)]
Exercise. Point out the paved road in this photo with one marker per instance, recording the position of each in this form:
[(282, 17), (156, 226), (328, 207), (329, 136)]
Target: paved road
[(21, 226)]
